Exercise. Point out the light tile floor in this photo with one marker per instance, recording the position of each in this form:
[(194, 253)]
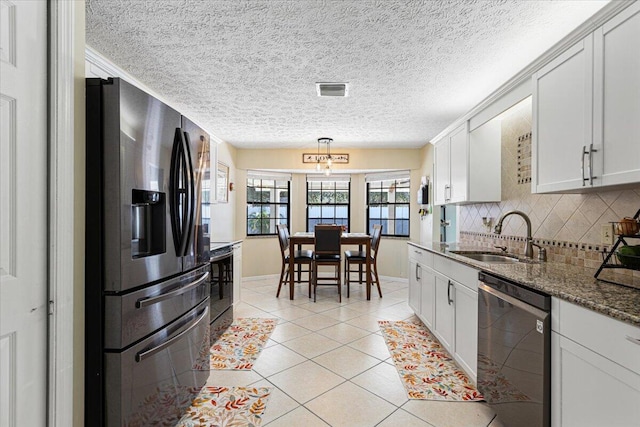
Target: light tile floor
[(329, 365)]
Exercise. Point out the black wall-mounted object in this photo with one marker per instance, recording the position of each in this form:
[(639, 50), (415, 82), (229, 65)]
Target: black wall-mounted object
[(423, 195)]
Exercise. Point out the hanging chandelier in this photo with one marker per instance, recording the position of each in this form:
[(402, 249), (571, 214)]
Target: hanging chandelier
[(329, 161)]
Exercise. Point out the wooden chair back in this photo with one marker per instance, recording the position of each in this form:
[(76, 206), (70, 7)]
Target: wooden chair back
[(283, 238), (327, 239), (375, 238)]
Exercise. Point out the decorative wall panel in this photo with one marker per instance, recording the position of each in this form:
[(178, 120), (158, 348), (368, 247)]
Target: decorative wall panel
[(7, 186), (8, 380), (7, 32)]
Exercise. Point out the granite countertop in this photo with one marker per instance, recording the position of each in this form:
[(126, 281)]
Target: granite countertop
[(568, 282), (219, 245)]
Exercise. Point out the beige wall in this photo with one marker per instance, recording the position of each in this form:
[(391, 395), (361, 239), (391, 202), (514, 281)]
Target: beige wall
[(261, 255), (79, 202), (573, 218), (223, 215), (426, 222)]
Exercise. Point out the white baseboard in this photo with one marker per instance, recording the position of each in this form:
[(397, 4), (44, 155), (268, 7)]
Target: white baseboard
[(276, 276)]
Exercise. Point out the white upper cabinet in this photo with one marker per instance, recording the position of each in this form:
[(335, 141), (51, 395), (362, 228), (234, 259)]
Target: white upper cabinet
[(442, 177), (617, 97), (586, 111), (562, 120), (467, 165), (459, 157)]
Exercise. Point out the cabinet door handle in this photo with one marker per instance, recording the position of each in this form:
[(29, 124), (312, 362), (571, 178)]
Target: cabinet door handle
[(633, 340), (449, 300), (417, 267), (582, 154), (591, 151)]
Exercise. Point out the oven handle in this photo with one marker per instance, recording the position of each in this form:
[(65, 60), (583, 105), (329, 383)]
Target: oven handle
[(513, 301), (146, 354), (146, 302)]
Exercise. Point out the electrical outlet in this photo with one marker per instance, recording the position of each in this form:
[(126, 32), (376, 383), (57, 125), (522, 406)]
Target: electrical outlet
[(606, 234)]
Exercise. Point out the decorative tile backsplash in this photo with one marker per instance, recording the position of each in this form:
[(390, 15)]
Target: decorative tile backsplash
[(524, 159), (568, 225)]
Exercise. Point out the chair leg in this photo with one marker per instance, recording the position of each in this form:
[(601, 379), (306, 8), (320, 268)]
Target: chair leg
[(339, 283), (346, 275), (315, 281), (280, 281), (374, 270)]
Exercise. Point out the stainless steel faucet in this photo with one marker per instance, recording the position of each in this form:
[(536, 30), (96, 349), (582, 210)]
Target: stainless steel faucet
[(528, 249)]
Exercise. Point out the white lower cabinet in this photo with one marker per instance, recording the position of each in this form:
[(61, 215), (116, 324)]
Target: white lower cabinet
[(420, 262), (466, 333), (237, 271), (415, 285), (444, 295), (589, 389), (428, 297), (444, 312), (595, 369)]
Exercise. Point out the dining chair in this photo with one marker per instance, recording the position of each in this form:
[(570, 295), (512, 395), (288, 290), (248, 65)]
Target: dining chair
[(300, 258), (327, 252), (360, 258)]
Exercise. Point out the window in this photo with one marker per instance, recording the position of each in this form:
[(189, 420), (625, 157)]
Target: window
[(267, 202), (327, 201), (388, 203), (206, 202)]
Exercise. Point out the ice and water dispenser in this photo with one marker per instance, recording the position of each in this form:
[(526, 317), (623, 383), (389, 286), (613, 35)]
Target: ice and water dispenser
[(148, 222)]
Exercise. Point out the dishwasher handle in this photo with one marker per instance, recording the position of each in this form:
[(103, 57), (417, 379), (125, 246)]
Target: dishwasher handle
[(513, 301), (516, 290)]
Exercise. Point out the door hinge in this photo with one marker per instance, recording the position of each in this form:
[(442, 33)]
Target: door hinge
[(51, 307)]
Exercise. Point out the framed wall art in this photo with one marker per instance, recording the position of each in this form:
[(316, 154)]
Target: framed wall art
[(222, 183)]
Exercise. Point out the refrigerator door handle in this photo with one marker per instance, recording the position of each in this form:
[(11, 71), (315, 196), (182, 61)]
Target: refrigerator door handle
[(148, 353), (181, 193), (145, 302), (191, 191), (174, 191)]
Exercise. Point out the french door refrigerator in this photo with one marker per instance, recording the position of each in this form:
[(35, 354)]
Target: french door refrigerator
[(147, 258)]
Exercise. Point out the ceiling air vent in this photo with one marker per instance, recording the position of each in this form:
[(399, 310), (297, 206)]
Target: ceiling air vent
[(332, 89)]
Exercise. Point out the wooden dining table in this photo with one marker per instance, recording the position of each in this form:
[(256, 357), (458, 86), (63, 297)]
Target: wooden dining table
[(306, 238)]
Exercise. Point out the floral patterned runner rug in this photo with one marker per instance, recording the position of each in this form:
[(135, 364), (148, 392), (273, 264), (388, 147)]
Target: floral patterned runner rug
[(240, 345), (227, 406), (426, 369)]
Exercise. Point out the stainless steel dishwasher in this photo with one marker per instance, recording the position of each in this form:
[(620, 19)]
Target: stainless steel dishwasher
[(514, 351)]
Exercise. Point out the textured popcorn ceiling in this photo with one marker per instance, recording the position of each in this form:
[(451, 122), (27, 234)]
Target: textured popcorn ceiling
[(246, 70)]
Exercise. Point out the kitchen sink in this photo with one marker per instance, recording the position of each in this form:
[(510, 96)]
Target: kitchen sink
[(492, 258)]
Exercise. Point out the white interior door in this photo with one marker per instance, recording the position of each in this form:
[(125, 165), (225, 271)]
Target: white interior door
[(23, 213)]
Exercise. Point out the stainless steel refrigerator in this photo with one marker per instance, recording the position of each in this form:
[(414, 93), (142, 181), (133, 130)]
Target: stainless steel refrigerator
[(147, 258)]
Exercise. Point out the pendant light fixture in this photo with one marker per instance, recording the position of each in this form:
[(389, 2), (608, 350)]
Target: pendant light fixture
[(327, 169)]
